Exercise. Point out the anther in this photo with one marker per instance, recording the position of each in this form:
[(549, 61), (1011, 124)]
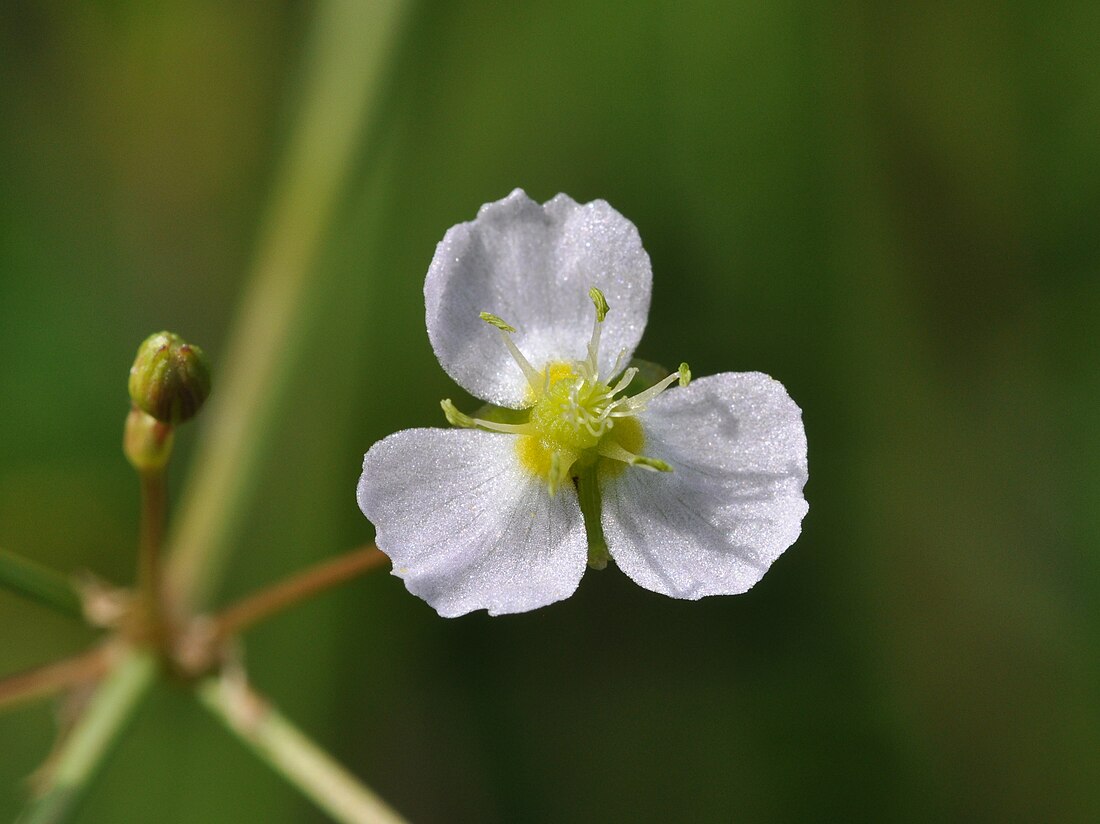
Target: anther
[(493, 320), (534, 380), (601, 304), (454, 417), (616, 452), (653, 464)]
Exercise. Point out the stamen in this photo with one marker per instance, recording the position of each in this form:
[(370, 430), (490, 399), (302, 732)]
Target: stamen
[(619, 358), (454, 417), (493, 320), (616, 452), (464, 421), (533, 378), (593, 364), (624, 381), (601, 304), (574, 409), (509, 428), (653, 464), (637, 402)]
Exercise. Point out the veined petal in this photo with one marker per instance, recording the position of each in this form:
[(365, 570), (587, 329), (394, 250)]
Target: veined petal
[(733, 502), (466, 526), (533, 266)]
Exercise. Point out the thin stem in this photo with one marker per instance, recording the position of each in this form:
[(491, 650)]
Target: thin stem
[(262, 605), (53, 678), (39, 583), (347, 54), (154, 509), (588, 494), (286, 750), (84, 750)]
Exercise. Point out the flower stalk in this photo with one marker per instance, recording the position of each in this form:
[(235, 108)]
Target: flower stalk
[(269, 602), (289, 752), (168, 384), (34, 581), (154, 511), (51, 679), (588, 496), (83, 751)]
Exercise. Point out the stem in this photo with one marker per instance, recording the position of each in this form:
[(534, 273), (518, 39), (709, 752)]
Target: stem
[(39, 583), (261, 605), (154, 508), (346, 57), (286, 750), (86, 747), (52, 678), (588, 494)]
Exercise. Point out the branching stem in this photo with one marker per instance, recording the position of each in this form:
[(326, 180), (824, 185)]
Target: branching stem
[(60, 675), (286, 750), (39, 583), (83, 751), (285, 594)]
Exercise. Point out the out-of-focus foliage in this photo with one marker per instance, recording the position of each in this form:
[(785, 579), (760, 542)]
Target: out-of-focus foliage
[(893, 210)]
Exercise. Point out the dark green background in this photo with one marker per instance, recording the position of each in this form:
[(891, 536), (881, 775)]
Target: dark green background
[(895, 211)]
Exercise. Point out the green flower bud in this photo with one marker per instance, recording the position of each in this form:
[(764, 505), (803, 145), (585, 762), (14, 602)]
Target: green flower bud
[(146, 441), (169, 379)]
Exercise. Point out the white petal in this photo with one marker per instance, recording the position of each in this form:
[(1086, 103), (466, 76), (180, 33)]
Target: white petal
[(733, 501), (466, 526), (532, 266)]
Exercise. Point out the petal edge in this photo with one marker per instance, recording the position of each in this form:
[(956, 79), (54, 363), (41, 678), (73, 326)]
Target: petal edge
[(466, 527), (533, 265), (733, 503)]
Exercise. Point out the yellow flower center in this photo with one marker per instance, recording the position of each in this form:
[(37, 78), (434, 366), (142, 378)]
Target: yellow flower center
[(575, 417)]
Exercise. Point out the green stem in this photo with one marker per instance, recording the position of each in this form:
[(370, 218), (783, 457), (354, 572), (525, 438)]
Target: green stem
[(591, 501), (347, 54), (276, 741), (39, 583), (91, 740), (154, 508)]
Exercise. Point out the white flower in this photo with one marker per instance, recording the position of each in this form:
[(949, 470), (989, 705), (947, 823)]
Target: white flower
[(693, 492)]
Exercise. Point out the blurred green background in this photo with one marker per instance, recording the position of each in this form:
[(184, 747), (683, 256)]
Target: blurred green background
[(894, 210)]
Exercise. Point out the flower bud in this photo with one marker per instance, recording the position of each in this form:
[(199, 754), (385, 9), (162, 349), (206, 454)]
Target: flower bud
[(146, 441), (169, 379)]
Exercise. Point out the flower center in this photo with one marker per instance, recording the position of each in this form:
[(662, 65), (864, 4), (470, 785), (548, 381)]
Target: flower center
[(573, 412), (574, 421), (576, 416)]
